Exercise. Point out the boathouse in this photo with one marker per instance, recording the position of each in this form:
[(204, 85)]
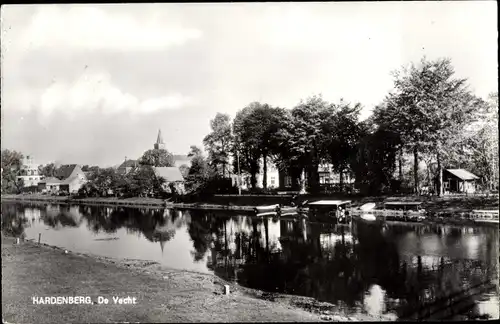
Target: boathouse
[(459, 181)]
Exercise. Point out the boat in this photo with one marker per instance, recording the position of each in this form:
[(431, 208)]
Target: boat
[(484, 216), (394, 210), (330, 210), (267, 208), (269, 213), (367, 207)]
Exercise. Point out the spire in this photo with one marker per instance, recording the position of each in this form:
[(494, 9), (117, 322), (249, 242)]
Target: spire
[(159, 140)]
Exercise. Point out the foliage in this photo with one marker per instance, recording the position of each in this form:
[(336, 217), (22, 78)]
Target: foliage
[(257, 135), (342, 132), (219, 142), (374, 162), (184, 170), (157, 158), (48, 170), (429, 109), (11, 164)]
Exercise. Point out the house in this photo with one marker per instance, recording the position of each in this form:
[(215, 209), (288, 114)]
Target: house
[(29, 173), (459, 181), (127, 166), (273, 177), (49, 184), (172, 175), (68, 178)]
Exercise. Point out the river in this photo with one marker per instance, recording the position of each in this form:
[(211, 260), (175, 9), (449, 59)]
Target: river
[(398, 271)]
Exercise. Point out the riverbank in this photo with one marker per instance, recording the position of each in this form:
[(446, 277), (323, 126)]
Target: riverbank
[(162, 295), (125, 202)]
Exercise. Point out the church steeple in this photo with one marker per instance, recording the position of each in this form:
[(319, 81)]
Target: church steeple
[(159, 145)]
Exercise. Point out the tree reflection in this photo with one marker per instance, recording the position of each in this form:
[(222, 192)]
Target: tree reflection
[(14, 220)]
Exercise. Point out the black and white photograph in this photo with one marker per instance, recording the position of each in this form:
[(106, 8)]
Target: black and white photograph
[(250, 162)]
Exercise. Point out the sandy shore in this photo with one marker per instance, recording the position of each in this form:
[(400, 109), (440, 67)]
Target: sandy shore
[(162, 295)]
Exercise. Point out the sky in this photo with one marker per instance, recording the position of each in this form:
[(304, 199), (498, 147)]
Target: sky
[(92, 84)]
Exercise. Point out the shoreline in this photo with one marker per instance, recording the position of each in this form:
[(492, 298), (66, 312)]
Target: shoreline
[(441, 213), (134, 202), (107, 276)]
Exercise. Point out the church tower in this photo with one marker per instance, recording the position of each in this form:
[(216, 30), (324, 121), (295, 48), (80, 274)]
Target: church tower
[(159, 145)]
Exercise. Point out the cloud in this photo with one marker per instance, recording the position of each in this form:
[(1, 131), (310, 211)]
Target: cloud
[(95, 92), (93, 28)]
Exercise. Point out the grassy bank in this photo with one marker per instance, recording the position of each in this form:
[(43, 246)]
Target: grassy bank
[(162, 295)]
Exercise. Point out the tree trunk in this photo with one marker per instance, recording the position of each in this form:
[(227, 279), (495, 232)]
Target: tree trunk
[(415, 170), (264, 168), (439, 177), (303, 181), (253, 174), (401, 165)]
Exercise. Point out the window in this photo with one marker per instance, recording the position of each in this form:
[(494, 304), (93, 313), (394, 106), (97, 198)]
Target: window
[(288, 181), (273, 182)]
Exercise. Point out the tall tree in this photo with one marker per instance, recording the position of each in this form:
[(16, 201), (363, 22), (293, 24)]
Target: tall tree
[(342, 133), (246, 146), (428, 108), (200, 172), (256, 129), (157, 158), (307, 136), (219, 142)]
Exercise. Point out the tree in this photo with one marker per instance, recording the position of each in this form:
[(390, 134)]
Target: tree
[(219, 142), (200, 171), (11, 164), (374, 161), (246, 146), (342, 134), (428, 108), (157, 158), (256, 129), (184, 170), (145, 182), (48, 170), (306, 136)]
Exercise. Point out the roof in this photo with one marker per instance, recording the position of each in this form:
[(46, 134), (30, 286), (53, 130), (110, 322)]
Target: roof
[(403, 203), (65, 171), (50, 180), (329, 202), (462, 174), (69, 180), (170, 174), (128, 164)]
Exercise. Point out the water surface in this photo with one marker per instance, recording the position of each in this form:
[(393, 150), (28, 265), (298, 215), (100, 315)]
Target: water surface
[(397, 271)]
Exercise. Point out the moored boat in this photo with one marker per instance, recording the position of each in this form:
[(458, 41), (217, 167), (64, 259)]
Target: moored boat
[(484, 216), (395, 210), (330, 210), (267, 208)]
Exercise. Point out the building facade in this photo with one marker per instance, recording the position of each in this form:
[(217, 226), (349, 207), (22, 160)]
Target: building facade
[(29, 173)]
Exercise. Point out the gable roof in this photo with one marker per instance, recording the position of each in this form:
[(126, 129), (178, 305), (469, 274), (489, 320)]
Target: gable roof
[(69, 180), (51, 180), (462, 174), (65, 171), (129, 164), (170, 174)]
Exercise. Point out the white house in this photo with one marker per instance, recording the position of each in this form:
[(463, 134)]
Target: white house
[(29, 173)]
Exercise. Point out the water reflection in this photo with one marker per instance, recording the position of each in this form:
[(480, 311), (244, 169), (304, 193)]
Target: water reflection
[(413, 271)]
